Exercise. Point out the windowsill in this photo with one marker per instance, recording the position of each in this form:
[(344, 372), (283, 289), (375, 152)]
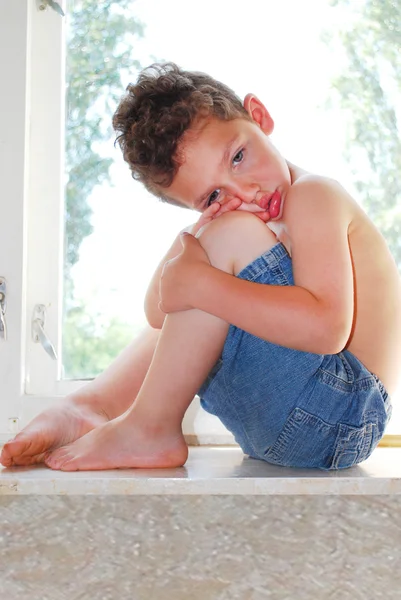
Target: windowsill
[(213, 471)]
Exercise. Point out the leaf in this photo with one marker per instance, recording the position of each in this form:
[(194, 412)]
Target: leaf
[(56, 6)]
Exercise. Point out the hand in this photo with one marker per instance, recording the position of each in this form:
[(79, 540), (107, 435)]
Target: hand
[(180, 274), (212, 212), (173, 290), (254, 209), (216, 210)]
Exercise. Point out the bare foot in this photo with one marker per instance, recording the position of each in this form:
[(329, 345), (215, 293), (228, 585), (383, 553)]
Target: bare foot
[(55, 427), (120, 444)]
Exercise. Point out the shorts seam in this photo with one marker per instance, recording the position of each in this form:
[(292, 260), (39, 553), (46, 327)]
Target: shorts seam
[(270, 262), (346, 386), (238, 418)]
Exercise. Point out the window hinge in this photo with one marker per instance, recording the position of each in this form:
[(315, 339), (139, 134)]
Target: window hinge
[(44, 4), (3, 308), (38, 330)]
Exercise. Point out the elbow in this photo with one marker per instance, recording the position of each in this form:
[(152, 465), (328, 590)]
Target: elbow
[(334, 337), (155, 319), (327, 346), (154, 323), (334, 348), (154, 316)]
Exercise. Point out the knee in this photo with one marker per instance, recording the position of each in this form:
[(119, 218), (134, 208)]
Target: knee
[(228, 227), (235, 238)]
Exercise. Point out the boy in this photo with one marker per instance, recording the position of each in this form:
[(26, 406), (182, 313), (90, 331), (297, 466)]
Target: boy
[(292, 338)]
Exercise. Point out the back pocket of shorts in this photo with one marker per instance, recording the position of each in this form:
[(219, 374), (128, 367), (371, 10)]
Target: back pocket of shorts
[(309, 442), (305, 441), (354, 444)]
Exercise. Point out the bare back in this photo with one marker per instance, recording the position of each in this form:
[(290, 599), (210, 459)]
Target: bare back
[(375, 337), (376, 333)]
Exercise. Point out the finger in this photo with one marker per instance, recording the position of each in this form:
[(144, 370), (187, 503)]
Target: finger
[(192, 247), (231, 205), (264, 216), (160, 306), (208, 214), (206, 217), (185, 239), (211, 210)]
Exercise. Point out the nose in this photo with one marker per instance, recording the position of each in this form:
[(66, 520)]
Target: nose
[(246, 192)]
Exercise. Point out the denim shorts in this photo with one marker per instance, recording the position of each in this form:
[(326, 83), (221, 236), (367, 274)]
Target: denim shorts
[(289, 407)]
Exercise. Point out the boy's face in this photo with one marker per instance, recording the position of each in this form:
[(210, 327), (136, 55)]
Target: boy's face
[(222, 160)]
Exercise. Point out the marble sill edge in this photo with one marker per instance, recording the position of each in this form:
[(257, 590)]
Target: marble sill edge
[(206, 440), (213, 471), (227, 441), (388, 440)]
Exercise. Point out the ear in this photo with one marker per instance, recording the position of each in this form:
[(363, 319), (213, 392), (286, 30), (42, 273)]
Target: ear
[(259, 113)]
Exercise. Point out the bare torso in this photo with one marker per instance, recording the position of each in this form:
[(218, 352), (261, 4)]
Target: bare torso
[(376, 333), (375, 337)]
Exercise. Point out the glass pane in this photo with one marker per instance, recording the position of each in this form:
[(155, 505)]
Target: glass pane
[(326, 70)]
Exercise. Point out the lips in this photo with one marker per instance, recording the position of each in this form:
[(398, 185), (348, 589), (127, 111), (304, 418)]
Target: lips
[(264, 202), (274, 205)]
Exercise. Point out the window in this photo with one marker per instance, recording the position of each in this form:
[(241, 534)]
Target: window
[(314, 66)]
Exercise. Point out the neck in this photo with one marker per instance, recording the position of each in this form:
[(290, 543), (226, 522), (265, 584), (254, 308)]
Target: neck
[(295, 172)]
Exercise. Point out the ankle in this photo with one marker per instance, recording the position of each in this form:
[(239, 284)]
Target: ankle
[(155, 426), (86, 398)]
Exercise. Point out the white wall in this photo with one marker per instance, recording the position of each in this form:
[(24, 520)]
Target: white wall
[(14, 41)]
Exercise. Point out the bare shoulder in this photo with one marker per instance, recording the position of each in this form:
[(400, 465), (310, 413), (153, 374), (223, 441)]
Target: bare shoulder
[(313, 199), (312, 183)]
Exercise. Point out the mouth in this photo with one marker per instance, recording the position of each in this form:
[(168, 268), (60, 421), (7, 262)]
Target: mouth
[(272, 204)]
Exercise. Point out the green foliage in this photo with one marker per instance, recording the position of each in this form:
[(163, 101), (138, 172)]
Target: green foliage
[(369, 90), (88, 347), (100, 46), (100, 40)]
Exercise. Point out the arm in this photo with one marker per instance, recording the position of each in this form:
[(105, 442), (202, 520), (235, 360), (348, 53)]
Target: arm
[(316, 314), (289, 316)]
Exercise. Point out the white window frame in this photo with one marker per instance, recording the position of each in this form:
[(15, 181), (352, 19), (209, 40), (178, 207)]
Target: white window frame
[(31, 252), (31, 175), (14, 129)]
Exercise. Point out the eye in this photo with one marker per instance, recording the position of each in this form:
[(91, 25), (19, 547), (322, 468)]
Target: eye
[(213, 197), (239, 157)]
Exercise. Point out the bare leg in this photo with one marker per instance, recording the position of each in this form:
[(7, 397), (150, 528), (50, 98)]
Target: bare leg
[(99, 401), (149, 433)]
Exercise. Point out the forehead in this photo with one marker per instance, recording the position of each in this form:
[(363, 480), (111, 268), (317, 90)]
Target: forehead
[(205, 132)]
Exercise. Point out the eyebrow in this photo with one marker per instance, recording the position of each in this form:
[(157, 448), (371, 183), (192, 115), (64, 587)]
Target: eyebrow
[(224, 159)]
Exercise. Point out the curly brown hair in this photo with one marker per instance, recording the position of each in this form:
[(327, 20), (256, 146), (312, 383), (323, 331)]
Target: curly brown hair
[(155, 113)]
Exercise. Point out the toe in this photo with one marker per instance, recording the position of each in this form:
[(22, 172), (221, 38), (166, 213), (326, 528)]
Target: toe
[(5, 458), (11, 450), (55, 459), (20, 452), (70, 465), (25, 460)]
